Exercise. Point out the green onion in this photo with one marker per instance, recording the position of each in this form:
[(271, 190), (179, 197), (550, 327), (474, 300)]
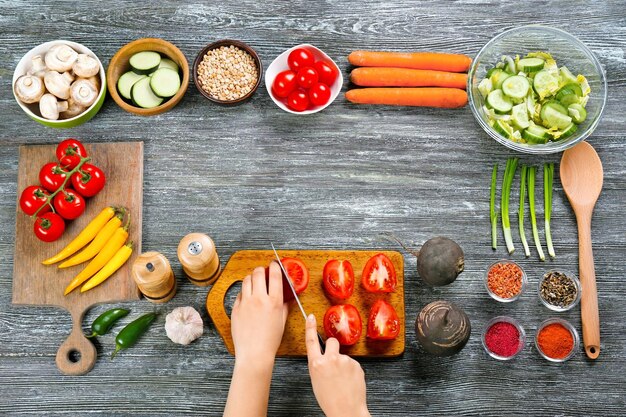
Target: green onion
[(507, 181), (522, 197), (548, 178), (532, 172), (492, 206)]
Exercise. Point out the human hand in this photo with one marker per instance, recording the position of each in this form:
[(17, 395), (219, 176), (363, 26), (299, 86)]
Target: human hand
[(338, 380), (259, 316)]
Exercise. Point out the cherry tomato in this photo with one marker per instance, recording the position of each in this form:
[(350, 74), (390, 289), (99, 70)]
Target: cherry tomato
[(32, 198), (69, 204), (284, 83), (338, 279), (343, 322), (300, 58), (383, 323), (298, 100), (379, 275), (327, 71), (52, 176), (89, 180), (307, 76), (49, 227), (319, 94), (299, 275), (69, 153)]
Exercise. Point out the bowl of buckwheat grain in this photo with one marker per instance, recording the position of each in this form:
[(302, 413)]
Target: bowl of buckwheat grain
[(227, 72)]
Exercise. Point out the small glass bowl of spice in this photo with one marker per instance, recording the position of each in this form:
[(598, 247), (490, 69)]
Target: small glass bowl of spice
[(227, 72), (503, 338), (557, 340), (559, 290), (505, 281)]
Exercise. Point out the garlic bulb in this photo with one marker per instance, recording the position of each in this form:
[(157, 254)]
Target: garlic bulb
[(183, 325)]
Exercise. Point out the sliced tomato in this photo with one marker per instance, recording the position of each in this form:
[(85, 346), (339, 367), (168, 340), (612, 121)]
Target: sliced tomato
[(343, 322), (338, 279), (383, 323), (298, 273), (379, 275)]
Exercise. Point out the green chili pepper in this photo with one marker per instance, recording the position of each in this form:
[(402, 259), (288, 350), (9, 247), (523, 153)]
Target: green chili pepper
[(103, 323), (129, 335)]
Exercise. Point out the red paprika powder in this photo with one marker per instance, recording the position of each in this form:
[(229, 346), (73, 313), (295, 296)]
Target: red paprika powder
[(555, 341), (503, 339)]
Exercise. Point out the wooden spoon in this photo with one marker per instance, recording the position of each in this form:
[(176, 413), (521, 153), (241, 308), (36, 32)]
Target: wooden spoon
[(581, 176)]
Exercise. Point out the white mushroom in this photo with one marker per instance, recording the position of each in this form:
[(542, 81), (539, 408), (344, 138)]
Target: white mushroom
[(61, 58), (86, 66), (50, 107), (95, 80), (58, 84), (183, 325), (83, 92), (29, 89), (38, 67), (73, 109)]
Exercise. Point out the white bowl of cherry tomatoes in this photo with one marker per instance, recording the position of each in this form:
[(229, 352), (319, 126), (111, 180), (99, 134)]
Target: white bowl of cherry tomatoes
[(303, 80)]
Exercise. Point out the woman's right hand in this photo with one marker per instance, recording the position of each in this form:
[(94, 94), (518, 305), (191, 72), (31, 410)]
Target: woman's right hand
[(338, 380)]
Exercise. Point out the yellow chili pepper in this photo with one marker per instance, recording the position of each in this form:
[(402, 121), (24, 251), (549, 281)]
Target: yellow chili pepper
[(116, 262), (97, 243), (84, 237), (97, 263)]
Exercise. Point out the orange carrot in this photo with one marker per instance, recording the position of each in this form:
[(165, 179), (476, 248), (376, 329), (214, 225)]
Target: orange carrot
[(403, 77), (425, 97), (416, 60)]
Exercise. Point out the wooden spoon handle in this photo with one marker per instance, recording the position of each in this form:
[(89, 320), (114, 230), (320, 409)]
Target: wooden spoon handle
[(589, 301)]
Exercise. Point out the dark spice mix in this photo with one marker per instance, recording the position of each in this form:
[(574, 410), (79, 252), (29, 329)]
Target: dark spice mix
[(558, 289)]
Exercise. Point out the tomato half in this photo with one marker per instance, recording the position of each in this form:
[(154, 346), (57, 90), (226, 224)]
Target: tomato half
[(343, 322), (69, 153), (69, 204), (51, 176), (284, 83), (327, 71), (298, 273), (32, 198), (89, 180), (49, 227), (383, 323), (338, 279), (300, 58), (298, 100), (319, 94), (379, 275)]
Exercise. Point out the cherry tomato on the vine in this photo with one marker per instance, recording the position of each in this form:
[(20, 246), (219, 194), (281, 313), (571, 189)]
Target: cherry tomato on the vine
[(327, 71), (32, 198), (89, 180), (69, 153), (51, 176), (284, 83), (319, 94), (69, 204), (300, 58), (298, 100), (307, 76), (49, 227)]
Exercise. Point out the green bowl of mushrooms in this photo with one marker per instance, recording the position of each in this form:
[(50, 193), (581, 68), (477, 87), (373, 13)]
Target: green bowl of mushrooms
[(60, 84)]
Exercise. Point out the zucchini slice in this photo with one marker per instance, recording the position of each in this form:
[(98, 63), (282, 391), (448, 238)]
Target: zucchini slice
[(145, 62), (143, 96)]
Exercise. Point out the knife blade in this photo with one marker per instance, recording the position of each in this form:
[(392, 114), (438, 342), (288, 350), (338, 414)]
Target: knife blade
[(295, 295)]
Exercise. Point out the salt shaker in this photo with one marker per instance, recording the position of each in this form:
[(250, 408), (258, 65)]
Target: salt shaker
[(197, 255)]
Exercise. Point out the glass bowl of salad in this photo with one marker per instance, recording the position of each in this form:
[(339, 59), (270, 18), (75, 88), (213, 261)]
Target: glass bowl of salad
[(537, 89)]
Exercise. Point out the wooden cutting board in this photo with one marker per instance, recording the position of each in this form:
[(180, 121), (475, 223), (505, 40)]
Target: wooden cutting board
[(41, 285), (313, 299)]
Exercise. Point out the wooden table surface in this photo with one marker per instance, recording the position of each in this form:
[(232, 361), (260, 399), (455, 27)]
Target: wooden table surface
[(253, 174)]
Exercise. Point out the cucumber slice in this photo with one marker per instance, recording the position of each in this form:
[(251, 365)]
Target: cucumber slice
[(529, 65), (554, 119), (503, 128), (125, 83), (498, 76), (143, 96), (567, 89), (545, 84), (145, 62), (516, 86), (165, 82), (536, 134), (577, 112), (568, 99), (519, 116), (500, 103), (556, 106), (566, 76), (568, 131)]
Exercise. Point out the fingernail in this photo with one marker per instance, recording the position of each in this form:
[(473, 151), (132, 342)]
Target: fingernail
[(311, 318)]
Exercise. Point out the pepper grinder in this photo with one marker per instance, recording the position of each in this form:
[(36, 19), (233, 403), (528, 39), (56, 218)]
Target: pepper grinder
[(154, 277), (197, 255)]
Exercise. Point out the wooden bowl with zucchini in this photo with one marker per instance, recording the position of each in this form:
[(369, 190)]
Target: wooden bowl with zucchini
[(148, 76)]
